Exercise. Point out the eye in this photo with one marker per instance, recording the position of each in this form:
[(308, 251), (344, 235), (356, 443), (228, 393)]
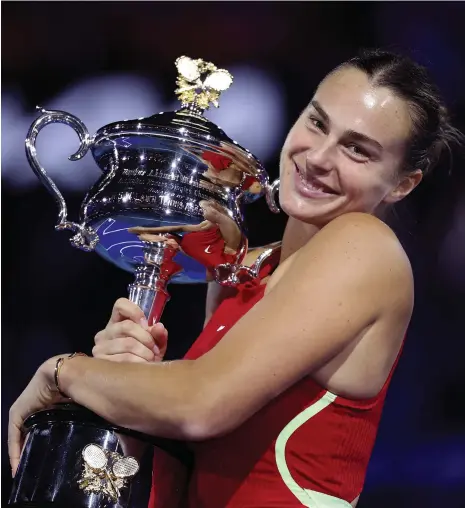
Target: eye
[(358, 151), (317, 123)]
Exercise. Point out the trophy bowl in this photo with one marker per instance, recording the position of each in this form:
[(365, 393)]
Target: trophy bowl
[(162, 178), (168, 207)]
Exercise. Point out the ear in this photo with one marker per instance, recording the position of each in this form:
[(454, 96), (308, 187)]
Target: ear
[(404, 186)]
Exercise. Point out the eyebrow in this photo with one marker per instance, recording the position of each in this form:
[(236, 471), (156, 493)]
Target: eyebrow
[(358, 136)]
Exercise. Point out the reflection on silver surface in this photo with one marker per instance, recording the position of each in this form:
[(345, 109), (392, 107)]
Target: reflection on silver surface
[(233, 275), (175, 174)]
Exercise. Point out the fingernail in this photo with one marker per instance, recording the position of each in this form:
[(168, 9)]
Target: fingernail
[(156, 350), (144, 323)]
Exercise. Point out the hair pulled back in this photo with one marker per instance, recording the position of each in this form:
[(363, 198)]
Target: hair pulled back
[(434, 138)]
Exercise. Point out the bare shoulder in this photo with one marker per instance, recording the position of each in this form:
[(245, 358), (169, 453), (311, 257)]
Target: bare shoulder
[(358, 220), (356, 250), (359, 226), (360, 238)]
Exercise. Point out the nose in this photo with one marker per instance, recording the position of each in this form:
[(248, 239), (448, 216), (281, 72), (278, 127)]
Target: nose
[(320, 159)]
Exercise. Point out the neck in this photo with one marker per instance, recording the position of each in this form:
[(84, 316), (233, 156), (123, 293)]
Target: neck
[(296, 235)]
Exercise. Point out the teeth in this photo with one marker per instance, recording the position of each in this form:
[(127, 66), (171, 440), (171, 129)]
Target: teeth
[(312, 185)]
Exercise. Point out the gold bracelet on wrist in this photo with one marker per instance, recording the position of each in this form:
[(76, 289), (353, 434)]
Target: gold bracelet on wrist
[(58, 366)]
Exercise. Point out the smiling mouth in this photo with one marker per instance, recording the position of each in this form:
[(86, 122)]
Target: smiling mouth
[(313, 184)]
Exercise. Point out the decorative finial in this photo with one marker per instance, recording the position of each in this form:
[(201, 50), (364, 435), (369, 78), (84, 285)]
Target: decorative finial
[(200, 83)]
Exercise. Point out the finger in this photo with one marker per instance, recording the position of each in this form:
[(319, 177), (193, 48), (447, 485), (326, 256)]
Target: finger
[(102, 335), (129, 329), (211, 214), (213, 205), (123, 358), (15, 442), (125, 309), (124, 345), (160, 336), (225, 223), (125, 328)]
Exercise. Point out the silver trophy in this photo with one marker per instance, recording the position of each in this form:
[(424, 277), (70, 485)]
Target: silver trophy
[(161, 177), (168, 207)]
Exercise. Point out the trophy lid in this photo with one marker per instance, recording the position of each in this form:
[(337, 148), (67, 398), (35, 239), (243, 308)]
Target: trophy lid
[(200, 84)]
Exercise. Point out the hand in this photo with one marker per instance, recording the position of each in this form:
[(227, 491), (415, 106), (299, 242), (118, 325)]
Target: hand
[(230, 231), (128, 338), (40, 393)]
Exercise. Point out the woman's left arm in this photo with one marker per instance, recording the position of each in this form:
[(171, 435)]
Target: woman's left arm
[(339, 284)]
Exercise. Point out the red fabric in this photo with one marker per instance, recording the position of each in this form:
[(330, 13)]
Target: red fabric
[(218, 161), (329, 453), (221, 162), (207, 247), (171, 477), (249, 180)]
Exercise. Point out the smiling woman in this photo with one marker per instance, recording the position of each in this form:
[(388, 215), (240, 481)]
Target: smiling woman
[(375, 126), (348, 146), (281, 395)]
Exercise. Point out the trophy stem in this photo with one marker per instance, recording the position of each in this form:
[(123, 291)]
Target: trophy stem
[(148, 290)]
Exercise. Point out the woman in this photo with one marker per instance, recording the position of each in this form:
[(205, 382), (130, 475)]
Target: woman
[(282, 393)]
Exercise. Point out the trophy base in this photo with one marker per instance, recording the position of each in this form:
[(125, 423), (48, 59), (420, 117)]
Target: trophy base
[(115, 472)]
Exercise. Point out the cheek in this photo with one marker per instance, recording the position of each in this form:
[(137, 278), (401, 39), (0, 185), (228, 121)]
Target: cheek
[(352, 180), (363, 184), (297, 140), (287, 151)]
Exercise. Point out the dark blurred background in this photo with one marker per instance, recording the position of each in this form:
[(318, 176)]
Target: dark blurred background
[(113, 60)]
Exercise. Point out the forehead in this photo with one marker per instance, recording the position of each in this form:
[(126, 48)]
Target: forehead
[(352, 102)]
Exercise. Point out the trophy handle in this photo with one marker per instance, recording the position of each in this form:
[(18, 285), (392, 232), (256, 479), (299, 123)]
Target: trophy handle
[(270, 195), (232, 275), (85, 238)]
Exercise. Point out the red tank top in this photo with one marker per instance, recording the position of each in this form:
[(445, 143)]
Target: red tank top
[(307, 447)]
